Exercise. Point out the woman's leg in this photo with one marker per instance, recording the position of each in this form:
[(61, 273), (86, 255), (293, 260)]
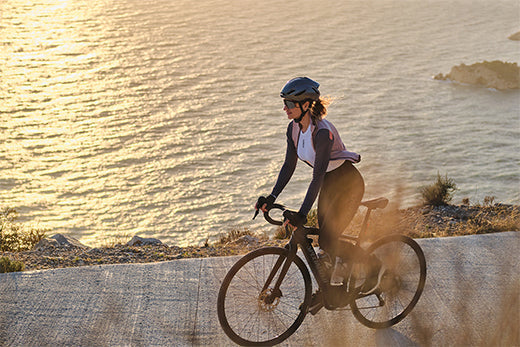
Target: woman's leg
[(339, 199)]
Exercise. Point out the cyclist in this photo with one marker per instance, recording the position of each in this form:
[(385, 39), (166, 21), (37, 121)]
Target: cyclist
[(340, 186)]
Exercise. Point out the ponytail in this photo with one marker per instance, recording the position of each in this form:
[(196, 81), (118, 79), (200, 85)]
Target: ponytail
[(319, 108)]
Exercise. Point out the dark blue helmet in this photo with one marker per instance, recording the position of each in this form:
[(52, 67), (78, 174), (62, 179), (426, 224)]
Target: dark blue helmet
[(301, 89)]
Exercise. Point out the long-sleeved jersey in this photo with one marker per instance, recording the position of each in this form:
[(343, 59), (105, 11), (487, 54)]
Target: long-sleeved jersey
[(328, 147)]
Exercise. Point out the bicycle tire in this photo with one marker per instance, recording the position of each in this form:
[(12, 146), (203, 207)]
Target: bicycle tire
[(245, 317), (401, 285)]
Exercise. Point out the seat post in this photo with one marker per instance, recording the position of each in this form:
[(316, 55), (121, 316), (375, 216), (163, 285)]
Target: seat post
[(364, 227)]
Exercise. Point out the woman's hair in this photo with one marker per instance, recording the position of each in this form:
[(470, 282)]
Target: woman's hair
[(319, 108)]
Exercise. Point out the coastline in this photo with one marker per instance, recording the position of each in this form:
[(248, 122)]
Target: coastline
[(69, 255), (60, 251)]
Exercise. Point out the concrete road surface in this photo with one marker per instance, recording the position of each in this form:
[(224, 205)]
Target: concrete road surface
[(471, 298)]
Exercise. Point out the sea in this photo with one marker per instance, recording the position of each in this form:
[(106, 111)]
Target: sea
[(162, 118)]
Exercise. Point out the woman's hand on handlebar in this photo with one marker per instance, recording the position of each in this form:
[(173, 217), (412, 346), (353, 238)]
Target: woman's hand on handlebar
[(265, 204), (293, 219)]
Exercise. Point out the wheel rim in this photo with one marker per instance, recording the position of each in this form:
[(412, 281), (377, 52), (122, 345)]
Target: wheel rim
[(252, 315), (401, 285)]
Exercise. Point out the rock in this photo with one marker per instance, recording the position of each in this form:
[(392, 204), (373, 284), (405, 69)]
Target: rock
[(45, 244), (496, 74), (68, 241), (440, 77), (95, 251), (140, 241), (58, 241)]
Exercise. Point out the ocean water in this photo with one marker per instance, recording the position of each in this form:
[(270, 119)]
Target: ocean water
[(162, 118)]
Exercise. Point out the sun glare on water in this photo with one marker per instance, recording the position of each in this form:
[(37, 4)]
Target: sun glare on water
[(162, 118)]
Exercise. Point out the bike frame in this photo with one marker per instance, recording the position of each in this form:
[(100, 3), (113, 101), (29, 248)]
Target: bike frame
[(262, 308), (299, 239)]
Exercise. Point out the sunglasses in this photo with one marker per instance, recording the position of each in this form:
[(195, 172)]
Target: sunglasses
[(289, 104)]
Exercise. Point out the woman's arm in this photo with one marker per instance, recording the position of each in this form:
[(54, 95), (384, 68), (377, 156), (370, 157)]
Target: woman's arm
[(289, 165)]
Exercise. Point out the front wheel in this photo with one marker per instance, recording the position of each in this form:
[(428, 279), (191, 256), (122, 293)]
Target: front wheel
[(250, 311), (401, 285)]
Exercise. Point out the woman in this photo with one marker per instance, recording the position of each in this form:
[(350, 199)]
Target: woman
[(339, 184)]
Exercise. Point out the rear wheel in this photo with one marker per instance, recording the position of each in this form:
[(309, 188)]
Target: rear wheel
[(252, 315), (401, 285)]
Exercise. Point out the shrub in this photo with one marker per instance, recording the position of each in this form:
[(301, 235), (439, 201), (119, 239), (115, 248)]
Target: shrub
[(15, 237), (440, 192), (8, 265)]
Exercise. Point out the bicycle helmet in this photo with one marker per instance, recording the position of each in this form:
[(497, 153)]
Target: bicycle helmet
[(301, 89)]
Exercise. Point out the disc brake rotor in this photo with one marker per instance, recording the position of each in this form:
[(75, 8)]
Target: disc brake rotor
[(390, 283), (266, 301)]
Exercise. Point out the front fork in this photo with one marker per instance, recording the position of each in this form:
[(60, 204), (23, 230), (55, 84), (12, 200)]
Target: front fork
[(270, 296)]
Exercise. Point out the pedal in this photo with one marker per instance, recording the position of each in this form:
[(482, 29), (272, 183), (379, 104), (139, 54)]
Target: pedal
[(316, 308), (316, 303)]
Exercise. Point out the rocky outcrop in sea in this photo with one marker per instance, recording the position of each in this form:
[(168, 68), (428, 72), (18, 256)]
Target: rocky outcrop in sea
[(495, 74)]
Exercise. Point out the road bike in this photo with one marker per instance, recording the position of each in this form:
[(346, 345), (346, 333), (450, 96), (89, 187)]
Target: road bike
[(267, 293)]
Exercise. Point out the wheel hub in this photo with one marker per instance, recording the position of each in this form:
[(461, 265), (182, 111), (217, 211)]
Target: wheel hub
[(267, 300), (390, 283)]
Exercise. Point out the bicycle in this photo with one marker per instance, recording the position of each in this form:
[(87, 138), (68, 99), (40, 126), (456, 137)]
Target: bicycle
[(267, 293)]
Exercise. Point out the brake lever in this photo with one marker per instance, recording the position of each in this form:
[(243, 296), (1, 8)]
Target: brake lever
[(256, 213)]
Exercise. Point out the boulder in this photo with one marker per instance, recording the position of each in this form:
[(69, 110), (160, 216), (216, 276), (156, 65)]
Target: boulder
[(140, 241), (68, 241), (58, 240)]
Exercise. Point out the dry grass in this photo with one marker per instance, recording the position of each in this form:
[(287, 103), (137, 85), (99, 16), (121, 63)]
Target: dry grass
[(234, 235), (439, 221), (14, 236), (115, 240)]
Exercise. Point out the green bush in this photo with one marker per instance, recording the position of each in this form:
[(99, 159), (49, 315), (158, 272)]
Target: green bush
[(14, 236), (440, 192), (8, 265)]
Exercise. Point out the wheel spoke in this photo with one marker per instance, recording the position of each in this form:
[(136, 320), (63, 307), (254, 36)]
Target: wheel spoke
[(246, 314), (401, 285)]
